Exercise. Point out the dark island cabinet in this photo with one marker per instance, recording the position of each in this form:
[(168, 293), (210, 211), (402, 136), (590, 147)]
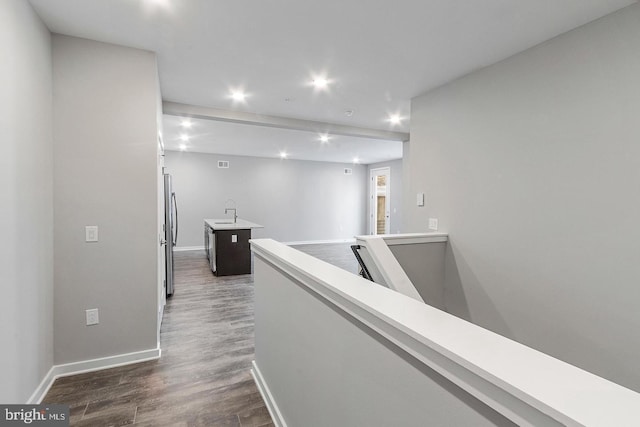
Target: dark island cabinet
[(232, 252)]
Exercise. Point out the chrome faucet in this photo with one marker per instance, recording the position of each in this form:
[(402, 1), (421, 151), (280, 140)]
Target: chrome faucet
[(235, 213)]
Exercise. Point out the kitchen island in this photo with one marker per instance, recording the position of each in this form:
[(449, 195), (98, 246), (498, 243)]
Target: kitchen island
[(227, 245)]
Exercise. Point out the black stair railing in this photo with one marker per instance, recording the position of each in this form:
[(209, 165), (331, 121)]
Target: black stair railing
[(364, 271)]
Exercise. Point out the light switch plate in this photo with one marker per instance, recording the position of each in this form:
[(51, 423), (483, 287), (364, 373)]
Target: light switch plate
[(91, 233), (420, 199), (234, 238), (433, 224)]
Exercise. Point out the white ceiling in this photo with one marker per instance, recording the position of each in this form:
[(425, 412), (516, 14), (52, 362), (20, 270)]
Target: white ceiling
[(377, 54)]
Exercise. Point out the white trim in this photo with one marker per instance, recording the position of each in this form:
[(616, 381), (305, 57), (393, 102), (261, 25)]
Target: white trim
[(263, 388), (292, 243), (74, 368), (318, 242), (43, 388), (406, 238), (188, 248), (373, 201), (525, 385)]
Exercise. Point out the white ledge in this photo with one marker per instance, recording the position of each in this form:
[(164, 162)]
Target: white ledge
[(407, 238), (523, 384)]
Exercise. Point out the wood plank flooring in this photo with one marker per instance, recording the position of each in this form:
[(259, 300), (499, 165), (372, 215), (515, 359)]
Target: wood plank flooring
[(203, 377), (338, 254)]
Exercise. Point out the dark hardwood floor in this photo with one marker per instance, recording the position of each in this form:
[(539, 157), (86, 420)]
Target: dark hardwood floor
[(338, 254), (203, 377)]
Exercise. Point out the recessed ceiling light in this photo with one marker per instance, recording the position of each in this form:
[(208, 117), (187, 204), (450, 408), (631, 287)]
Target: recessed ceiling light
[(184, 137), (238, 95), (324, 138), (283, 154), (186, 123), (356, 160), (395, 119), (320, 83), (183, 147)]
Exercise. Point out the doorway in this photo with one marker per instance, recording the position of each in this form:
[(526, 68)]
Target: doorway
[(380, 201)]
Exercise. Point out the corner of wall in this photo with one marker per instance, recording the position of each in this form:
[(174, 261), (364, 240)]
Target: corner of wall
[(26, 171)]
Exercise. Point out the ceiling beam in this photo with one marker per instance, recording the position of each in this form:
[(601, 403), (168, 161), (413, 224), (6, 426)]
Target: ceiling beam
[(185, 110)]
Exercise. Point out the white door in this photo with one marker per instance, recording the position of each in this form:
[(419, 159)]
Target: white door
[(380, 201)]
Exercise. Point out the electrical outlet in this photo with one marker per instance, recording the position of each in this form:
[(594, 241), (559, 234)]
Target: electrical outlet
[(234, 238), (92, 317), (433, 224), (91, 233)]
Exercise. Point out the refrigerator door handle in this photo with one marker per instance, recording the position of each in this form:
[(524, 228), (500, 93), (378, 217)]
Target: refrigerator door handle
[(175, 206)]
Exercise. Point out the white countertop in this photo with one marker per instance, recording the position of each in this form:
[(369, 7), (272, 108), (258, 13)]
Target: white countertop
[(228, 224)]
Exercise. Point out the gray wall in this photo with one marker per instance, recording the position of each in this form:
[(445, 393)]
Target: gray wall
[(397, 196), (295, 200), (424, 264), (533, 165), (105, 142), (26, 216)]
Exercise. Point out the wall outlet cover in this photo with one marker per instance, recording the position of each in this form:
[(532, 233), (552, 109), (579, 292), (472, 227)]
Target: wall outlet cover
[(92, 317), (91, 233), (433, 224)]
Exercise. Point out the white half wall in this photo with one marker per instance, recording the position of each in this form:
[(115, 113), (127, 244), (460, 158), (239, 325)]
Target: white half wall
[(317, 365), (26, 211), (294, 200), (532, 166), (105, 158)]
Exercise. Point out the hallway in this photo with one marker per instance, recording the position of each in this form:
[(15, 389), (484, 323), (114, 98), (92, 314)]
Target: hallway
[(203, 377)]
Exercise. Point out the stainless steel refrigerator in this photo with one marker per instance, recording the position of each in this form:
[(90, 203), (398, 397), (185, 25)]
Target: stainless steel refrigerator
[(170, 231)]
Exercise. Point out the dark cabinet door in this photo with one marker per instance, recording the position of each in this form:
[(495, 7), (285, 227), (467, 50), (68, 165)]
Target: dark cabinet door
[(233, 254)]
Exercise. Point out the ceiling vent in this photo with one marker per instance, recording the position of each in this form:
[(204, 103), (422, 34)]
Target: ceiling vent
[(348, 171), (223, 164)]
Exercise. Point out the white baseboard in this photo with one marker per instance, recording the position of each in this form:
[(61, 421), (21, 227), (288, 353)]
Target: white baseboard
[(42, 389), (319, 242), (188, 248), (301, 242), (74, 368), (275, 413)]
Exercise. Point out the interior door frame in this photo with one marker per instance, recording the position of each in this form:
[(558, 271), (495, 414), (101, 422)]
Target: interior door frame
[(373, 203), (161, 295)]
